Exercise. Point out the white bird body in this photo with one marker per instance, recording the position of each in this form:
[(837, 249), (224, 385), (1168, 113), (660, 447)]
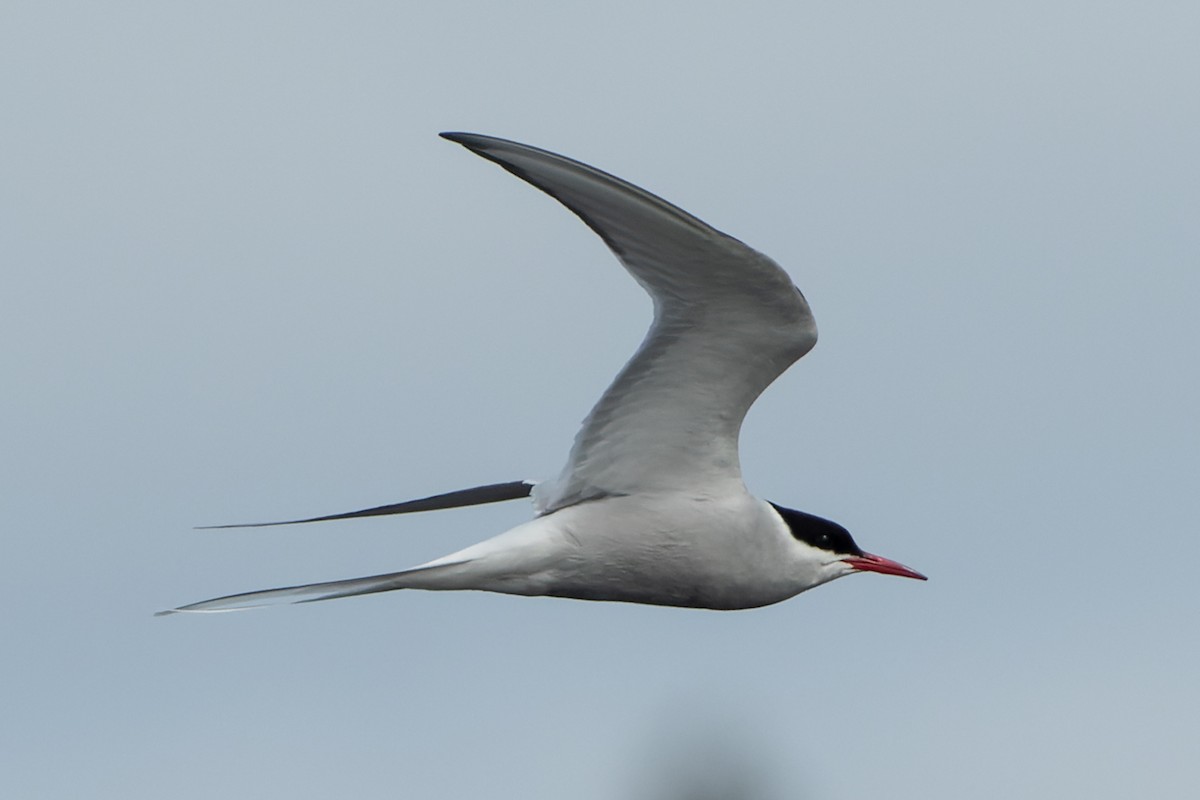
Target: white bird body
[(650, 507), (725, 552)]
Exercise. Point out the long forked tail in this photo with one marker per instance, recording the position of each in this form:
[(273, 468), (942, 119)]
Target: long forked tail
[(330, 590), (477, 495)]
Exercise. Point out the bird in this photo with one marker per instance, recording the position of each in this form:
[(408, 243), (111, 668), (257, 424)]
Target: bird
[(650, 506)]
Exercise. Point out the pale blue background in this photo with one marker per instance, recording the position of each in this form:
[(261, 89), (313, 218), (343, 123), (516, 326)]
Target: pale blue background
[(241, 278)]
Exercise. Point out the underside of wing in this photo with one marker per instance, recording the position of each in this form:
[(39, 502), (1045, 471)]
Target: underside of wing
[(727, 322), (476, 495)]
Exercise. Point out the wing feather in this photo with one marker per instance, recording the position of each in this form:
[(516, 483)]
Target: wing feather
[(476, 495), (727, 322)]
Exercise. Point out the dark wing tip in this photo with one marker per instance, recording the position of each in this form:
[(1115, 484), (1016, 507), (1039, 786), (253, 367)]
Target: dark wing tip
[(475, 496), (473, 141)]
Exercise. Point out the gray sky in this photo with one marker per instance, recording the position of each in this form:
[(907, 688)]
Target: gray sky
[(243, 279)]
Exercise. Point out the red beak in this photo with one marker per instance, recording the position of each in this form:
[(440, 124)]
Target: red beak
[(871, 563)]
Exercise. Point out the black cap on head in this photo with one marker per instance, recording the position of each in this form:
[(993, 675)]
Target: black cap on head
[(819, 532)]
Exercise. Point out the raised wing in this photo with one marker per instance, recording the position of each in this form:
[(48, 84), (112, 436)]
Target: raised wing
[(727, 322)]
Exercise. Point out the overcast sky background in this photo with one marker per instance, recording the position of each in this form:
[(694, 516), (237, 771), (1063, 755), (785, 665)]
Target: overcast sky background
[(243, 279)]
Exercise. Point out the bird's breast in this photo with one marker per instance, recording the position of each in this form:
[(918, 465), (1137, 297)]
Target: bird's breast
[(670, 550)]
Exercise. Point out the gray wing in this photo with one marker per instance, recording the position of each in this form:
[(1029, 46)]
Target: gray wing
[(476, 495), (727, 322)]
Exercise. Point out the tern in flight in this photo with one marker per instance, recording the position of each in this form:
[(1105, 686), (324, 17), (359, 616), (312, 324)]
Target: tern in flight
[(650, 507)]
